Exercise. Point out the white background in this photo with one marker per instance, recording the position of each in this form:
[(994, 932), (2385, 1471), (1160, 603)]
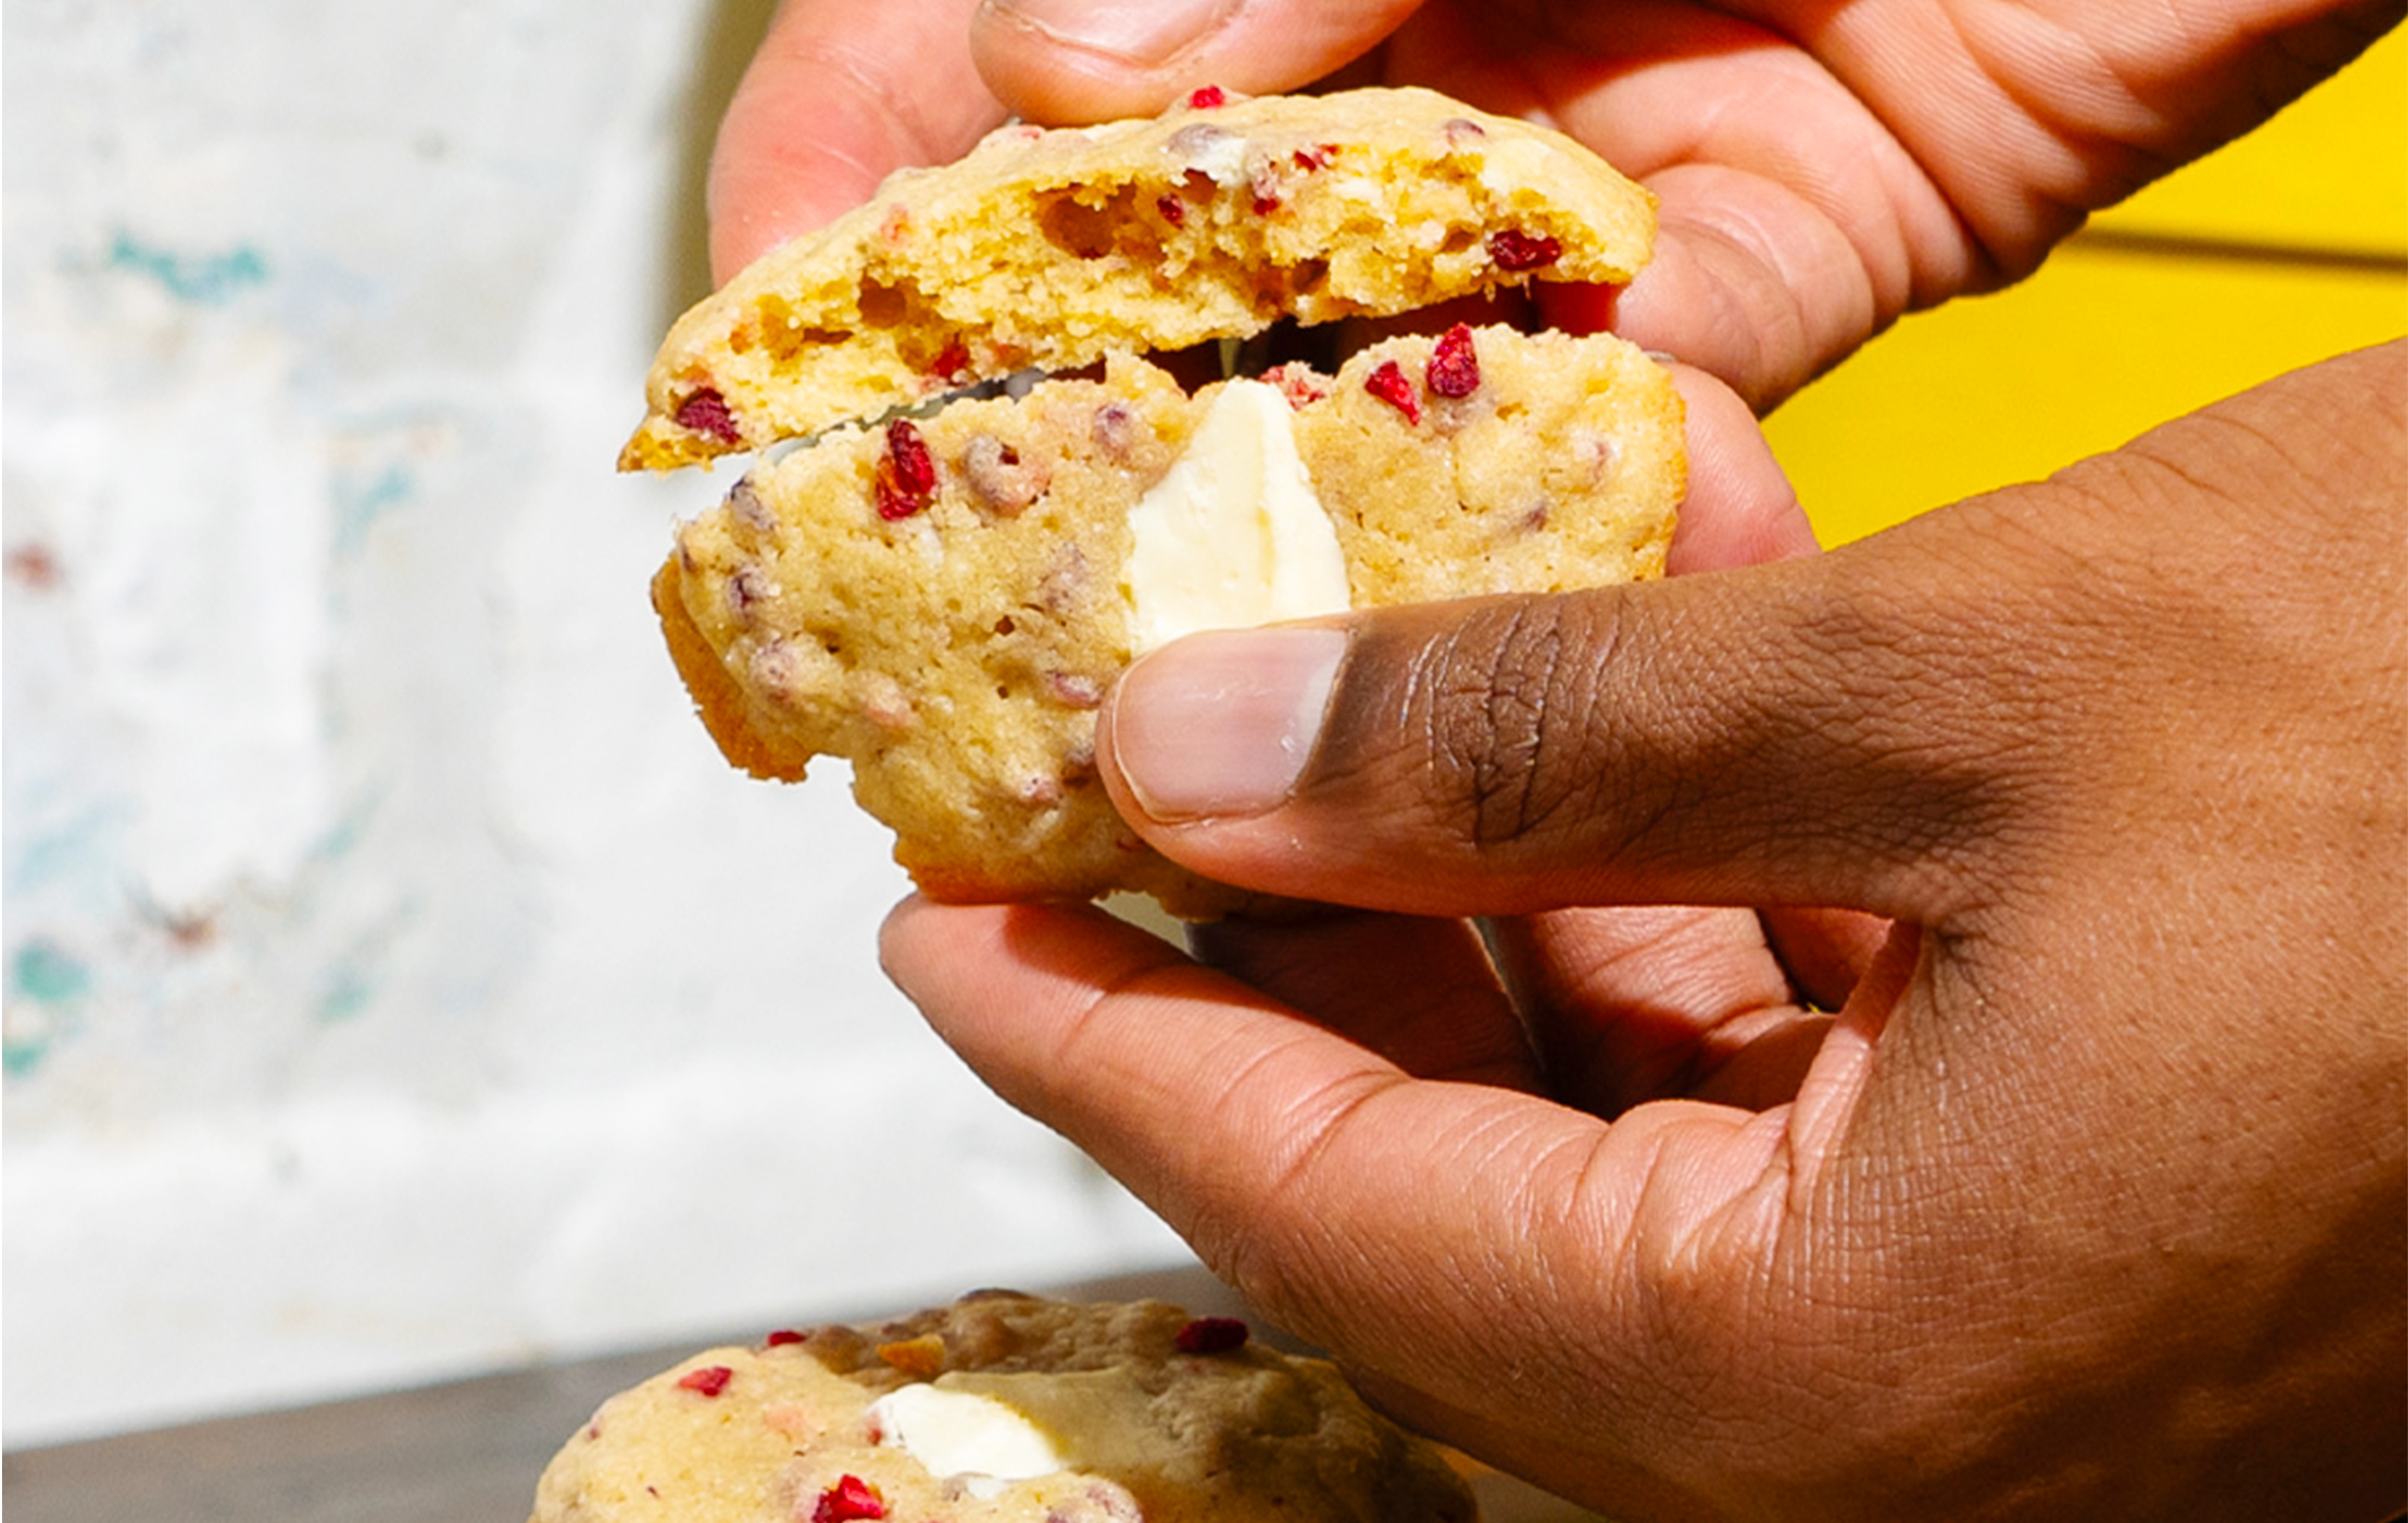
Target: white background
[(397, 983)]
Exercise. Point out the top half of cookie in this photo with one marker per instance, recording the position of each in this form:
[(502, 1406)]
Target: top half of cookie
[(1049, 250)]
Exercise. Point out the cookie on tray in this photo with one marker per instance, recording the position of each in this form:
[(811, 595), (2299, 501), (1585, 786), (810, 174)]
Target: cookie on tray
[(1049, 250), (944, 601), (1000, 1408)]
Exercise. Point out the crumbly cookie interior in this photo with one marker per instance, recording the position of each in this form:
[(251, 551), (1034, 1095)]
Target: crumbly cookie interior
[(1048, 251)]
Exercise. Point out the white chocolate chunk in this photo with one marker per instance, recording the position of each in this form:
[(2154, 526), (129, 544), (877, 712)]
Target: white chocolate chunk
[(1233, 536), (959, 1433)]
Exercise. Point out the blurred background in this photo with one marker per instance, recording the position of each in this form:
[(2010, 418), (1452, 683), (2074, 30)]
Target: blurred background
[(397, 984)]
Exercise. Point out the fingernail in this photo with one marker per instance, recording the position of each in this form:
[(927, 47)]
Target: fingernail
[(1141, 32), (1221, 725)]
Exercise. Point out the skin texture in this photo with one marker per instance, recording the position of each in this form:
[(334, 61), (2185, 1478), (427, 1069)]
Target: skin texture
[(1822, 166), (2086, 1203), (2059, 1170)]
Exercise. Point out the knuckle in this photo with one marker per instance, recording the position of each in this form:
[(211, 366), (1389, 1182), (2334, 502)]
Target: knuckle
[(1508, 698)]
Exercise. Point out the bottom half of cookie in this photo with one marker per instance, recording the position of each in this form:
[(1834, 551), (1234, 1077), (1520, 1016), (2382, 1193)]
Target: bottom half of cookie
[(945, 602)]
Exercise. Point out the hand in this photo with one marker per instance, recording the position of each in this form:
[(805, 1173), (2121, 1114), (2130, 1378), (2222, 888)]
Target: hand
[(1821, 168), (2089, 1199)]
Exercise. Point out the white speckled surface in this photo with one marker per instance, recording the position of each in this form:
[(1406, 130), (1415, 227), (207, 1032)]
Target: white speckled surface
[(396, 982)]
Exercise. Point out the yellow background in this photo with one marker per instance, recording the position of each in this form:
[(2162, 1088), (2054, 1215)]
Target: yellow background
[(2281, 249)]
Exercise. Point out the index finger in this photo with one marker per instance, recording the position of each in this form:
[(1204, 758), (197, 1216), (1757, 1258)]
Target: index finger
[(1403, 1224), (839, 96)]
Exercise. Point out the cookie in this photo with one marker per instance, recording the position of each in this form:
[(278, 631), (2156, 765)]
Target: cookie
[(1000, 1408), (1050, 249), (945, 601)]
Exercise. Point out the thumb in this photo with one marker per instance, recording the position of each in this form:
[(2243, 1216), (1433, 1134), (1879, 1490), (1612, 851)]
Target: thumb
[(1091, 60), (1819, 731)]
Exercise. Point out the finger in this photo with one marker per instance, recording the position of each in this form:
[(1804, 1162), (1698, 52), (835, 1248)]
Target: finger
[(1816, 732), (1073, 60), (1739, 510), (1629, 1005), (1826, 950), (839, 96), (1331, 1189), (1420, 993)]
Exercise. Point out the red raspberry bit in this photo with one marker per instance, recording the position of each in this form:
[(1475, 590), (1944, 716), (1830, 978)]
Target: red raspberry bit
[(1173, 209), (1388, 383), (783, 1336), (1212, 1335), (1310, 159), (709, 1380), (1453, 365), (1207, 97), (1296, 381), (914, 466), (907, 476), (850, 1498), (951, 360), (1514, 249), (707, 412)]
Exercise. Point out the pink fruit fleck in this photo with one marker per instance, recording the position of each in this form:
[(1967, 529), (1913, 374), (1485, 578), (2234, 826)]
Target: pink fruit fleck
[(1310, 159), (950, 361), (748, 588), (1297, 382), (996, 476), (1173, 209), (1212, 1335), (850, 1498), (1115, 430), (906, 474), (784, 1336), (1514, 249), (709, 1380), (1074, 690), (707, 412), (1263, 182), (744, 501), (1207, 97), (1388, 383), (1453, 365)]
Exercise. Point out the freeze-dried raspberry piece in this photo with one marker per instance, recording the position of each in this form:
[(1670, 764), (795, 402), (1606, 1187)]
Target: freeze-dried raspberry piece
[(951, 360), (783, 1336), (1212, 1335), (1388, 383), (850, 1498), (906, 474), (707, 412), (1173, 209), (1453, 365), (1207, 98), (1514, 249), (709, 1380), (1298, 382)]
